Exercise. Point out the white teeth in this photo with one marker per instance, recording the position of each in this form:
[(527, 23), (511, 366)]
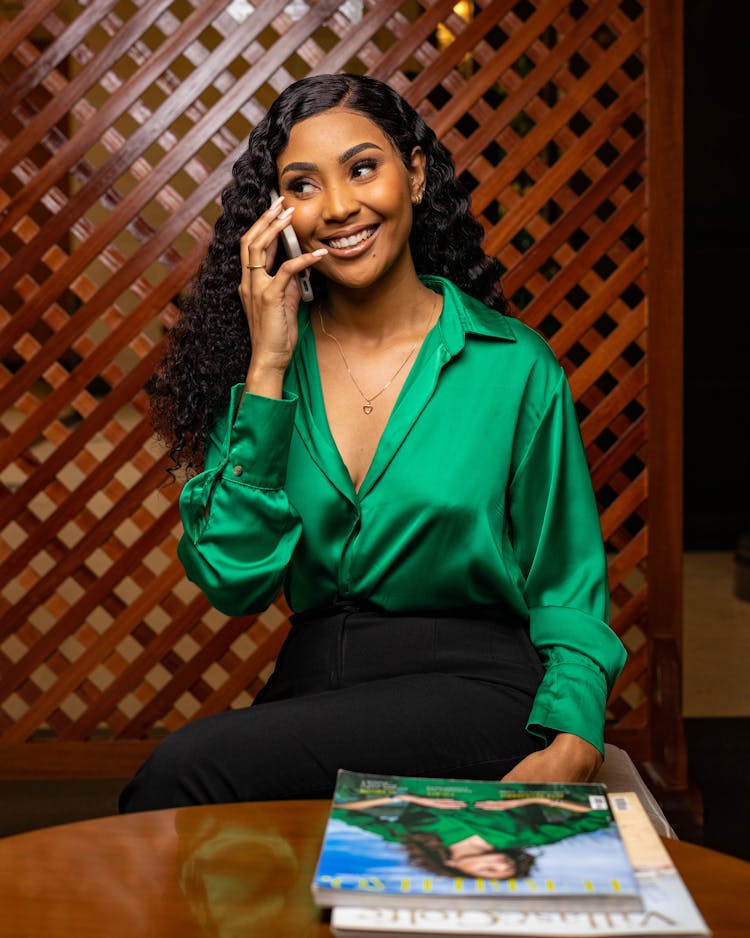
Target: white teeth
[(352, 239)]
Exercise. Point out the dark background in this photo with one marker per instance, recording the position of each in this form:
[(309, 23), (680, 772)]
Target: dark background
[(717, 366), (717, 273)]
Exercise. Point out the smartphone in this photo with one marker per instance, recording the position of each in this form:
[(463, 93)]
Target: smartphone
[(291, 244)]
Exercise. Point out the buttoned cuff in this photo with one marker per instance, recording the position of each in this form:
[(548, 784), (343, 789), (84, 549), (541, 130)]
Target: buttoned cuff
[(571, 699), (582, 657), (257, 451), (565, 629)]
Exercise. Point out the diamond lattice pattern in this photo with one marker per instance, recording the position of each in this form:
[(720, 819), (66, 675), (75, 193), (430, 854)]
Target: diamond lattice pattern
[(119, 122)]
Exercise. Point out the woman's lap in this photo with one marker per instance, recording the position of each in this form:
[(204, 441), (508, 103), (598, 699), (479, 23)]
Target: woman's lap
[(417, 724)]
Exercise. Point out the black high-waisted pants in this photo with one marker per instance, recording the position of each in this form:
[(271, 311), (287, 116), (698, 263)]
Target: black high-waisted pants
[(445, 694)]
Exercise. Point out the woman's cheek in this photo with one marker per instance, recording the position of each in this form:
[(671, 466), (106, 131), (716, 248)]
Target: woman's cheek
[(304, 228)]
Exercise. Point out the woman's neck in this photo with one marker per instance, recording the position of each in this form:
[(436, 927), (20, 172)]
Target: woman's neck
[(394, 306), (469, 847)]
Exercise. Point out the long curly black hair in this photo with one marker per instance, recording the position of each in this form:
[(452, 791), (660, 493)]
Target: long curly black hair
[(208, 350), (426, 850)]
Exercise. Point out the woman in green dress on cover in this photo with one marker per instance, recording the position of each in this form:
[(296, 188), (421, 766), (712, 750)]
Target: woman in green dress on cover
[(485, 839)]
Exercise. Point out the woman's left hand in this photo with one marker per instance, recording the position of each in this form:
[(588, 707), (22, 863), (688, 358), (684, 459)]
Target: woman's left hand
[(568, 758)]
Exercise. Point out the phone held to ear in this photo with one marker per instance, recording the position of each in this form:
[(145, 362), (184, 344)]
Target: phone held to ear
[(291, 244)]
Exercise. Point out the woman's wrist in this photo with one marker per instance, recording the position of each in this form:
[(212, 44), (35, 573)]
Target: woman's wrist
[(583, 757), (266, 380)]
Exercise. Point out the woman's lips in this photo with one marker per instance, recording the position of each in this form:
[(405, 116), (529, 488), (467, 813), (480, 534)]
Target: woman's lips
[(355, 249)]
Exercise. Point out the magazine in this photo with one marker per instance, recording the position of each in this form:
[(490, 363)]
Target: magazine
[(458, 844), (668, 908)]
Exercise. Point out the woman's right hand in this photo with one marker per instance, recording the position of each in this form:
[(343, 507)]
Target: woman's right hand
[(270, 303)]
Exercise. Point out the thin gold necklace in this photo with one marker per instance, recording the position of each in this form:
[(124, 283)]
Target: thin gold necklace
[(367, 406)]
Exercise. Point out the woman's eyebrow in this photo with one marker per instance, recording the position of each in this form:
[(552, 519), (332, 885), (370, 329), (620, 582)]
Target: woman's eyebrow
[(344, 158), (353, 151), (298, 168)]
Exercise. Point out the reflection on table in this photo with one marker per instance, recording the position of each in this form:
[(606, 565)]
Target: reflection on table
[(227, 871)]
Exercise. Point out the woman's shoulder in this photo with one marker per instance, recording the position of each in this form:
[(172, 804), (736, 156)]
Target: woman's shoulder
[(528, 351)]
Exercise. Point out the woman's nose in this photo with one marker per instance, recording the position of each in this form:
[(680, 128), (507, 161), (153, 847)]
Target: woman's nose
[(340, 202)]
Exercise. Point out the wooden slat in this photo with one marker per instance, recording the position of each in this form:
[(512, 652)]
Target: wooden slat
[(64, 158), (24, 727), (508, 53), (584, 207), (222, 697), (64, 452), (391, 61), (104, 585), (603, 300), (665, 23), (165, 115), (597, 363), (203, 659), (60, 104), (533, 84), (134, 674), (53, 759), (146, 189), (348, 46), (631, 441), (607, 410), (624, 506), (635, 666), (633, 611), (74, 503), (562, 170), (14, 617), (54, 54), (90, 311), (628, 559), (15, 30), (561, 114), (553, 294)]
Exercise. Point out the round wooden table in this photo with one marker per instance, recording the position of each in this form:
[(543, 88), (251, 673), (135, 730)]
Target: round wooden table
[(230, 870)]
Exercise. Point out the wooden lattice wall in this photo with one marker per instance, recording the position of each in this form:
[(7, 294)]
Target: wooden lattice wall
[(119, 122)]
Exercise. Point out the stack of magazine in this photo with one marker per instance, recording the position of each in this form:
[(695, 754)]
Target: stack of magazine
[(441, 856)]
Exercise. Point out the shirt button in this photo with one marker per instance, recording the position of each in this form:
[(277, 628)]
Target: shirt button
[(237, 470)]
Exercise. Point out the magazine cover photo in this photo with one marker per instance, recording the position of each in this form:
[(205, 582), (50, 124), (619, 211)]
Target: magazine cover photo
[(433, 839)]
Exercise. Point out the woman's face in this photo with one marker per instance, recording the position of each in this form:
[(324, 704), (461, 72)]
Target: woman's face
[(494, 865), (352, 194)]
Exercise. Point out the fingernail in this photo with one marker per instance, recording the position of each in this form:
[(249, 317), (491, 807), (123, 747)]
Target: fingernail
[(320, 252), (287, 212), (277, 202)]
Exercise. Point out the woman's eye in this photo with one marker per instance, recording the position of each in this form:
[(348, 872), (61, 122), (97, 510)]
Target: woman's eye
[(300, 187), (363, 168)]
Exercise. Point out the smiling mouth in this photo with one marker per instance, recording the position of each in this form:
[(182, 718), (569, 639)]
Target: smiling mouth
[(352, 241)]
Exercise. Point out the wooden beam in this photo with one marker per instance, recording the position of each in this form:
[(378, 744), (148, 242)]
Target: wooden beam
[(665, 299)]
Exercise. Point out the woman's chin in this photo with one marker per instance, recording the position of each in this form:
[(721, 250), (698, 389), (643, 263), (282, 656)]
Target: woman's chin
[(361, 273)]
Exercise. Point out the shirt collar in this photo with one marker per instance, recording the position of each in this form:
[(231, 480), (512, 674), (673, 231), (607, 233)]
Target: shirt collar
[(464, 314)]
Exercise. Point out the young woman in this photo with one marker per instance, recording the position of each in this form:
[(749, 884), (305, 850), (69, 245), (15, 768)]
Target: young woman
[(398, 455), (449, 837)]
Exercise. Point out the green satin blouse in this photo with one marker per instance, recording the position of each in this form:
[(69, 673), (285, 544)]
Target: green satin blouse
[(524, 826), (478, 493)]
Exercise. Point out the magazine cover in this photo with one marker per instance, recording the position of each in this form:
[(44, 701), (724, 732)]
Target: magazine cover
[(397, 841), (668, 908)]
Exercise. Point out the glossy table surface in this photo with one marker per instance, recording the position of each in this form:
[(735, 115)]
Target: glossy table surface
[(228, 871)]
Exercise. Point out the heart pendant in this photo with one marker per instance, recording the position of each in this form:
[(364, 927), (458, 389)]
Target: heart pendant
[(367, 408)]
